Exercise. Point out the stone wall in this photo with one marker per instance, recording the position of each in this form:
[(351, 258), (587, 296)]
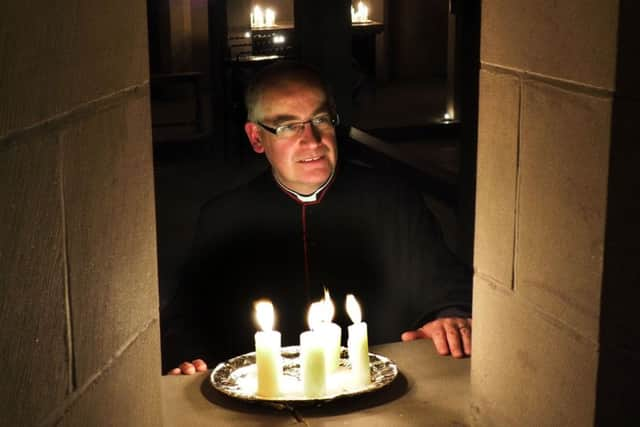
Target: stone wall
[(550, 141), (78, 280)]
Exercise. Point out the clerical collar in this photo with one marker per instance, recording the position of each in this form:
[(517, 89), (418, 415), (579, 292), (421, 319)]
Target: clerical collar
[(305, 198)]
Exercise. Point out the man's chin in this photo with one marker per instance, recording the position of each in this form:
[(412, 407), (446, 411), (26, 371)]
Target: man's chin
[(311, 182), (318, 176)]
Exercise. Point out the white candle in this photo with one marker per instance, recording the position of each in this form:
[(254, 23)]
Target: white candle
[(364, 12), (361, 14), (331, 334), (312, 358), (268, 356), (269, 17), (358, 344), (257, 17)]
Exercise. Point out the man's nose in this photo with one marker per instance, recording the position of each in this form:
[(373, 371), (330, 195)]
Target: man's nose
[(310, 133)]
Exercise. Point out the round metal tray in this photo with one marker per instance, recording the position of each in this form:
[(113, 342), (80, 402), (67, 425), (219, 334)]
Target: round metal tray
[(236, 377)]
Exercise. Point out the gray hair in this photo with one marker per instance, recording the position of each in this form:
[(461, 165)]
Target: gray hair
[(280, 73)]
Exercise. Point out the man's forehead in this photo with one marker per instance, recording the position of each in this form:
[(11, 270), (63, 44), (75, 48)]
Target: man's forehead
[(286, 99)]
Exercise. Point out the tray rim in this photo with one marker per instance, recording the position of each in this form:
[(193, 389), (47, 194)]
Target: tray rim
[(290, 352)]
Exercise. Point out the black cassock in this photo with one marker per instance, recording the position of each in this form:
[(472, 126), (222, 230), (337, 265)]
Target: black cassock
[(366, 234)]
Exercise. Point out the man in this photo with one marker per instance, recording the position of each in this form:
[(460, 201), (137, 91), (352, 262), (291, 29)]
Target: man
[(312, 222)]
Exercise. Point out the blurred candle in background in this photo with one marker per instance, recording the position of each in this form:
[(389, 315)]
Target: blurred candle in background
[(269, 17), (358, 344), (361, 14), (268, 356), (262, 18), (257, 17)]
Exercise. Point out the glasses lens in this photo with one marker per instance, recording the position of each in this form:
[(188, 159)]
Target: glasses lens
[(323, 122), (287, 131)]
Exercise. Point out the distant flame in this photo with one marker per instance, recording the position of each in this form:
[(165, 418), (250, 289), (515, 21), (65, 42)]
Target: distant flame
[(316, 315), (361, 14), (353, 309), (265, 315), (262, 18), (269, 17), (329, 308)]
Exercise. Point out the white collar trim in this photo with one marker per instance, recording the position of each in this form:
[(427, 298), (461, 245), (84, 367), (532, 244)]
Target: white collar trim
[(305, 198)]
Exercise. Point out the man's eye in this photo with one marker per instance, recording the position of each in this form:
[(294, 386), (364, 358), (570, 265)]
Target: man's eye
[(288, 128), (322, 120)]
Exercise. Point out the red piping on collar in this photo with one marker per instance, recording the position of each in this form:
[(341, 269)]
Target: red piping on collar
[(307, 284), (303, 211)]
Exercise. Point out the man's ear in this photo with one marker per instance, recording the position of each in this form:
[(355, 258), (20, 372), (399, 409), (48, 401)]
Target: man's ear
[(253, 133)]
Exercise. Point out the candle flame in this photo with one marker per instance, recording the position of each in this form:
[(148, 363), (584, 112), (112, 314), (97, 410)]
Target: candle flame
[(361, 14), (353, 309), (269, 17), (329, 308), (265, 315), (262, 17), (316, 315)]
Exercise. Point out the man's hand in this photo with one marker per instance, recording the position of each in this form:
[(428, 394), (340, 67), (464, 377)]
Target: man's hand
[(189, 368), (450, 335)]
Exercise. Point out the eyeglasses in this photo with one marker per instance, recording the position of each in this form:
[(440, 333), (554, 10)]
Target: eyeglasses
[(322, 123)]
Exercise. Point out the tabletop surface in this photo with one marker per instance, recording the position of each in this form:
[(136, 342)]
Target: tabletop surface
[(430, 390)]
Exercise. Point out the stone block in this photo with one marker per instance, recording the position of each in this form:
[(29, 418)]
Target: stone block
[(564, 158), (498, 121), (126, 394), (527, 369), (90, 50), (110, 217), (33, 347), (568, 40)]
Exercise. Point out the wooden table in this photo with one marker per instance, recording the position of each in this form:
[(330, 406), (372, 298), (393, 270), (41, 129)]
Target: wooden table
[(430, 390)]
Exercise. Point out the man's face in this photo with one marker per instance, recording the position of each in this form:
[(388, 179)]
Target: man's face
[(303, 162)]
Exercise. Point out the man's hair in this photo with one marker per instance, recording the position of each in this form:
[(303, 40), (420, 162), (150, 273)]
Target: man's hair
[(280, 73)]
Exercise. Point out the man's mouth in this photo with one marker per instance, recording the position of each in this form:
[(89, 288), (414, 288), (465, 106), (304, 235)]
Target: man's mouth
[(310, 159)]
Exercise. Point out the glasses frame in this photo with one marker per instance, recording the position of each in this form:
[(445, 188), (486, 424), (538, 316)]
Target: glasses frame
[(335, 121)]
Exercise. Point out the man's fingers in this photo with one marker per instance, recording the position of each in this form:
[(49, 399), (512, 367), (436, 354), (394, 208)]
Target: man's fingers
[(453, 340), (465, 332), (439, 338), (450, 335), (187, 368), (200, 365), (413, 335)]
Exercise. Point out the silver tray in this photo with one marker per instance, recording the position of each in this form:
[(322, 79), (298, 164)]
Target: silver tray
[(237, 378)]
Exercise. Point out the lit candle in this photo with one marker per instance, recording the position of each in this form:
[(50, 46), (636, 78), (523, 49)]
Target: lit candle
[(364, 12), (257, 17), (268, 357), (269, 17), (312, 359), (361, 14), (331, 334), (358, 344)]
